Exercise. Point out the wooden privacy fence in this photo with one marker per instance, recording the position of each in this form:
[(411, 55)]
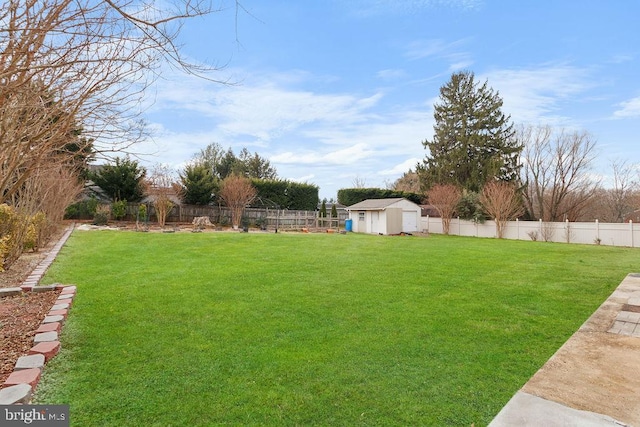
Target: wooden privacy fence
[(262, 217), (594, 233)]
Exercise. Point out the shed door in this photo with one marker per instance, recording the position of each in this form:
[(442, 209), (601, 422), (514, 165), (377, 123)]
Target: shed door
[(375, 222), (409, 221)]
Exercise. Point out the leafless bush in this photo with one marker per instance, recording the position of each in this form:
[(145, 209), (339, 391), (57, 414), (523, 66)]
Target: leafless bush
[(533, 235), (501, 201), (160, 187), (444, 198), (50, 190), (547, 231), (237, 192)]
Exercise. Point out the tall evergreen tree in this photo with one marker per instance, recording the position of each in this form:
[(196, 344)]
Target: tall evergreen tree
[(473, 140), (255, 166), (323, 209), (198, 184), (122, 180)]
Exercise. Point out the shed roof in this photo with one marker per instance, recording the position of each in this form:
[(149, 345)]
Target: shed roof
[(374, 204)]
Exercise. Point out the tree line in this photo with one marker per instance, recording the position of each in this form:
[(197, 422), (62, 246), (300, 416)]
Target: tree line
[(213, 177)]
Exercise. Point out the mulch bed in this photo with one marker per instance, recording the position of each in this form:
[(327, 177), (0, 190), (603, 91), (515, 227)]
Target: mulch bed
[(20, 316)]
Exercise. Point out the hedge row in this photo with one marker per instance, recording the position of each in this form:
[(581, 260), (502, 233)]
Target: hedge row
[(286, 195), (351, 196)]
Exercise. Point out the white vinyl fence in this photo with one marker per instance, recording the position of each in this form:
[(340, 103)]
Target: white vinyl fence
[(611, 234)]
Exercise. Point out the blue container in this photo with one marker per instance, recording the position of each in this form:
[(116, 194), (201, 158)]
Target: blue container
[(348, 225)]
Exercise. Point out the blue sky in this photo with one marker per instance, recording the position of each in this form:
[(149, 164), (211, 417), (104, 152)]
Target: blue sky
[(334, 91)]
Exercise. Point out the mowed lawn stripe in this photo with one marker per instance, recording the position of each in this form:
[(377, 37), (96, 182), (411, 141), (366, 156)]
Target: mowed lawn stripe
[(313, 329)]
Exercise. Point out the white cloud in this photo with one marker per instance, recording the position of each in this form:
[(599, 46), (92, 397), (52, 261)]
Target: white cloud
[(630, 108), (419, 49), (173, 148), (263, 108), (535, 95), (403, 167), (450, 52), (345, 156), (366, 8), (305, 178), (392, 74), (460, 65)]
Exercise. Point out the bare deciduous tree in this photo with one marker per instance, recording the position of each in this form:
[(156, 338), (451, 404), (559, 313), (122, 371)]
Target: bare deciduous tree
[(555, 172), (409, 182), (621, 197), (359, 182), (237, 192), (444, 198), (501, 201)]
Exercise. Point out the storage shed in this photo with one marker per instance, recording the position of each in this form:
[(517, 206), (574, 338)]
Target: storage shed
[(385, 216)]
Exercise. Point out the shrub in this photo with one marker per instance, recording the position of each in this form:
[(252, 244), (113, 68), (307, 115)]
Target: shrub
[(34, 231), (351, 196), (11, 236), (5, 242), (82, 210), (122, 180), (119, 209), (323, 209), (142, 213), (302, 196), (261, 223), (285, 194), (101, 216), (469, 207)]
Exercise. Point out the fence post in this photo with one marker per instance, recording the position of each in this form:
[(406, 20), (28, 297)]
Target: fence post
[(631, 229), (597, 230), (540, 220), (517, 229)]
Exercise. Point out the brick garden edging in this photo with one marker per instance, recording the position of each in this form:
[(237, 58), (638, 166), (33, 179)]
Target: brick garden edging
[(21, 384)]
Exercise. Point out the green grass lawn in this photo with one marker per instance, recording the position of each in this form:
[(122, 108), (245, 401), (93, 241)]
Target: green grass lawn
[(283, 329)]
